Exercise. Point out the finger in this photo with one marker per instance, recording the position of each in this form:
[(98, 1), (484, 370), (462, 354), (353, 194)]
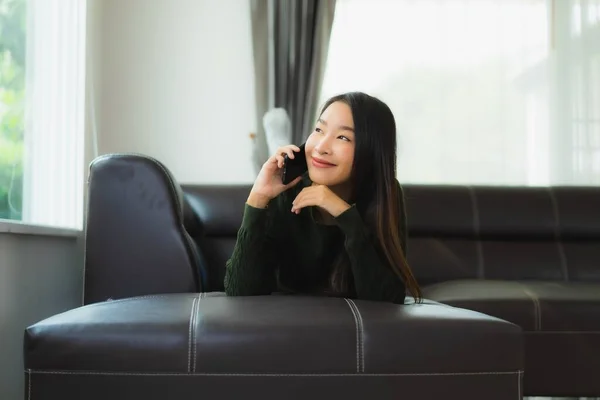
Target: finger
[(297, 200), (280, 160), (286, 150), (272, 160), (302, 202), (299, 206), (300, 197), (293, 147), (293, 183), (270, 163), (302, 194)]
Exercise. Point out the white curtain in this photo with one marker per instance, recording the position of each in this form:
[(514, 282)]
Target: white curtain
[(54, 127), (501, 92)]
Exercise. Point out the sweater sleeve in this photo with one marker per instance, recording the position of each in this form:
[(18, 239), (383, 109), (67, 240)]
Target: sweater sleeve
[(251, 268), (373, 277)]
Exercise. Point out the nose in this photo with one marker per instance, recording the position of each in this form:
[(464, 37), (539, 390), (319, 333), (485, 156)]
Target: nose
[(324, 146)]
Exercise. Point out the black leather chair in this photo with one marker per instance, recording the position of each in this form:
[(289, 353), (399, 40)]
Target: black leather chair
[(156, 325)]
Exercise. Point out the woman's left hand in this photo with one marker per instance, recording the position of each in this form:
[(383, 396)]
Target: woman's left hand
[(320, 196)]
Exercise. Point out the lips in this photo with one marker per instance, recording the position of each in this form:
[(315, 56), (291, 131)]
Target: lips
[(317, 162)]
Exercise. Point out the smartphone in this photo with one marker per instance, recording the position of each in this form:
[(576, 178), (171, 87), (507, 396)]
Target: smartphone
[(294, 167)]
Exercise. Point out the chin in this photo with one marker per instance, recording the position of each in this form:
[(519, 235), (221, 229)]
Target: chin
[(321, 178)]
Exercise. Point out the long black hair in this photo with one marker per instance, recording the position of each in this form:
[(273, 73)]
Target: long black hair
[(375, 190)]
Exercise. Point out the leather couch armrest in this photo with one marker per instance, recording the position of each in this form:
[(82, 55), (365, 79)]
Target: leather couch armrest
[(136, 243)]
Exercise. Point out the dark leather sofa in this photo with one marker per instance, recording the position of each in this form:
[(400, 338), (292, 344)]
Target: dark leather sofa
[(530, 256), (499, 266)]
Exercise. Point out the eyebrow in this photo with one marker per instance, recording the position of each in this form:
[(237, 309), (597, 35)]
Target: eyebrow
[(343, 127)]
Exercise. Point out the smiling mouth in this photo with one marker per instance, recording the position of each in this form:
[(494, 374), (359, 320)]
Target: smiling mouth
[(321, 163)]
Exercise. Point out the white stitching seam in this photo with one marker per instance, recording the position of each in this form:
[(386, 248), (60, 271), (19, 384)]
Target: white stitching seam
[(492, 373), (200, 296), (519, 393), (362, 336), (189, 362), (476, 229), (557, 238), (537, 308), (357, 336)]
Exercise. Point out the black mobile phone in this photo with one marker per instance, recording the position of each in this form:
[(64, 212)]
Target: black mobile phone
[(294, 167)]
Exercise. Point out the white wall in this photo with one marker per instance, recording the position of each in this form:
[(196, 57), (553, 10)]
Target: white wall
[(39, 276), (176, 83)]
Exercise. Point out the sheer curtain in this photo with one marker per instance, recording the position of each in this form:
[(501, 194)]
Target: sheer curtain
[(501, 92), (290, 42), (54, 123)]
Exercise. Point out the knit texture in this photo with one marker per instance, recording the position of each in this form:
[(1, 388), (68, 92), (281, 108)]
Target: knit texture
[(279, 251)]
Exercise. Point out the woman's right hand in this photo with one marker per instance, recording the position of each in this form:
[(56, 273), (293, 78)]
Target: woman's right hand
[(268, 184)]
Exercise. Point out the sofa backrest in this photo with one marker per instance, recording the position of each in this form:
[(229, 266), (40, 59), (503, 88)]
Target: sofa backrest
[(525, 233), (213, 216), (455, 232)]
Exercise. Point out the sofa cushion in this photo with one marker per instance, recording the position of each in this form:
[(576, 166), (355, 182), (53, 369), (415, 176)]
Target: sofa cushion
[(561, 321), (533, 305), (219, 334), (220, 346)]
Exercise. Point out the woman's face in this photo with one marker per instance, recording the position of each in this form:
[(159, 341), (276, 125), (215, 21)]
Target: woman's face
[(330, 148)]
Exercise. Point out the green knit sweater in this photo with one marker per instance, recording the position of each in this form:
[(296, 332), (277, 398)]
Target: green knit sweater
[(279, 251)]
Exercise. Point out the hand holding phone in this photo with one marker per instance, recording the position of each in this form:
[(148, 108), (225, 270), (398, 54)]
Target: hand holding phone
[(269, 182), (294, 167)]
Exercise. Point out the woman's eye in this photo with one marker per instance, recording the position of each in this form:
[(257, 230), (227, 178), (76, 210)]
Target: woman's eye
[(344, 138), (319, 130)]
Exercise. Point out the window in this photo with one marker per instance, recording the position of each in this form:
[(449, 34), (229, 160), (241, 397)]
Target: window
[(42, 86), (484, 91), (12, 107), (582, 62)]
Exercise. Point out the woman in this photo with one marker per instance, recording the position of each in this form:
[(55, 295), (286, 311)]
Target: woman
[(340, 229)]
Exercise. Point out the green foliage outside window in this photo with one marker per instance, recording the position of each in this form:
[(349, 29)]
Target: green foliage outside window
[(12, 106)]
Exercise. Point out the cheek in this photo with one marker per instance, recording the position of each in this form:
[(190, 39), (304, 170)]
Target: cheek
[(348, 157), (309, 146)]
